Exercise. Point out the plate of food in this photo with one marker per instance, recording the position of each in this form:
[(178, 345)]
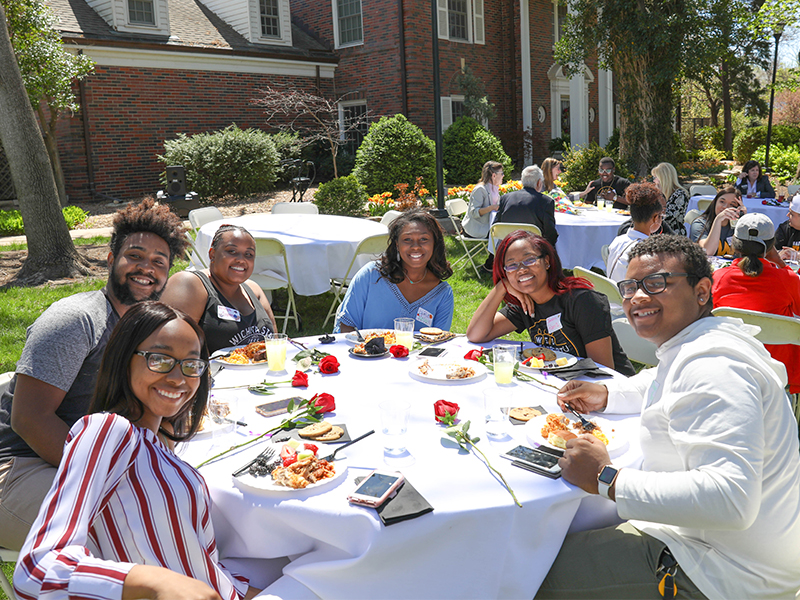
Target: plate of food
[(448, 371), (538, 359), (252, 355), (387, 335), (554, 429), (431, 335), (294, 468), (359, 352)]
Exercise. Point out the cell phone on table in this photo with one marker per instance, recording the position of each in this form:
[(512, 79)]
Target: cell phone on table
[(433, 352), (376, 488), (534, 459), (276, 407)]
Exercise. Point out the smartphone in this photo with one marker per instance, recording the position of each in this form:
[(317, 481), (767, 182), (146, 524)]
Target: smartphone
[(376, 488), (433, 352), (276, 407), (535, 459)]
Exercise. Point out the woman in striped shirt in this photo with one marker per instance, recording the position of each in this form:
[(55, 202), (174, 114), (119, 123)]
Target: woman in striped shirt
[(125, 516)]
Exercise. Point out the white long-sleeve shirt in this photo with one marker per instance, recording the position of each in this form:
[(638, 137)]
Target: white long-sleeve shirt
[(120, 498), (720, 479)]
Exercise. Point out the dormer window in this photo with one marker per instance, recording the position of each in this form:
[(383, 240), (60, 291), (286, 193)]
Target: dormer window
[(270, 19), (140, 12)]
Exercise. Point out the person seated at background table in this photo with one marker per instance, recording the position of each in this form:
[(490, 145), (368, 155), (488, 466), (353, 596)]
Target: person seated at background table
[(645, 200), (752, 183), (718, 489), (562, 313), (484, 199), (552, 168), (407, 281), (125, 517), (787, 237), (612, 186), (754, 283), (666, 178), (713, 229), (57, 371), (231, 309)]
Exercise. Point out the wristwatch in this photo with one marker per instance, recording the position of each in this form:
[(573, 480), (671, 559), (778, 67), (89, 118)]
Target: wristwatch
[(606, 478)]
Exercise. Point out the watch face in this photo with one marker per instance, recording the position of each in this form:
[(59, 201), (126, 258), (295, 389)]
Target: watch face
[(607, 475)]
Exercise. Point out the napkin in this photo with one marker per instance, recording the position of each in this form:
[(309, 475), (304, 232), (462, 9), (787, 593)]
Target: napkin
[(517, 421), (408, 503), (585, 367), (294, 433), (375, 346)]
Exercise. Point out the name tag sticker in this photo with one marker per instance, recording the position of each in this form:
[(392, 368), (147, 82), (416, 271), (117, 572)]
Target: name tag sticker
[(423, 316), (228, 314), (554, 323)]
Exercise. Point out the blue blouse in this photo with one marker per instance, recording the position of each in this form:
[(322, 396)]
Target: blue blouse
[(373, 302)]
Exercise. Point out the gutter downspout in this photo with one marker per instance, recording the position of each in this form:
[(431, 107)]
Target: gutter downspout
[(402, 32), (525, 66)]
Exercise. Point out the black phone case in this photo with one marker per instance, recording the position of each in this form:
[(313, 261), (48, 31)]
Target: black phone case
[(535, 469)]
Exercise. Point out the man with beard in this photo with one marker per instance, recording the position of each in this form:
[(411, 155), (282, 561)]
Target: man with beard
[(611, 187), (55, 376)]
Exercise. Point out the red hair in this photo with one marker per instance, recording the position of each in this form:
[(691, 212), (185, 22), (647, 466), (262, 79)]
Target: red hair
[(556, 280)]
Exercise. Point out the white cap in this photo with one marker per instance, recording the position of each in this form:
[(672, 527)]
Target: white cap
[(754, 227), (795, 205)]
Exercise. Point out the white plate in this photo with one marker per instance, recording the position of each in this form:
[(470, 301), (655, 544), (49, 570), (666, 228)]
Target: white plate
[(550, 366), (356, 355), (617, 439), (267, 485), (353, 339), (223, 351), (440, 368)]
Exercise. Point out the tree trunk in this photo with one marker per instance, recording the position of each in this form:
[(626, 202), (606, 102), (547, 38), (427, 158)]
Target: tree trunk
[(51, 253), (724, 78), (51, 144)]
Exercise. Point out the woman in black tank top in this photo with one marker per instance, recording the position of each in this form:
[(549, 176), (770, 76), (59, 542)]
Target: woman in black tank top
[(231, 309)]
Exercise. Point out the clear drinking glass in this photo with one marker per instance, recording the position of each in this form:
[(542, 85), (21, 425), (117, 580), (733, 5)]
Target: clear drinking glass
[(495, 420), (394, 425), (276, 351), (505, 357), (404, 332)]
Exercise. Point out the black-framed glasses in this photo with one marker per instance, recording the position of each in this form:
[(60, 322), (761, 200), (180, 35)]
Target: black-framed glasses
[(164, 363), (605, 170), (528, 262), (652, 284)]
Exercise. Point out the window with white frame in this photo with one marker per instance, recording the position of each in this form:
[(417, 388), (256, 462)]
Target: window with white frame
[(140, 12), (452, 109), (559, 18), (347, 23), (270, 18), (353, 124), (461, 20)]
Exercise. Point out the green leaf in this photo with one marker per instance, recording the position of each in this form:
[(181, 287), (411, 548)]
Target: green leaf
[(465, 426), (290, 407)]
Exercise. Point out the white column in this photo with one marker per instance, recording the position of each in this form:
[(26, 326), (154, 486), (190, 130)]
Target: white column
[(605, 113), (578, 111), (525, 66)]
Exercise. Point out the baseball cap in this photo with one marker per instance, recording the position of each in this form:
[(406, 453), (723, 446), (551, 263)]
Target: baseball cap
[(795, 204), (754, 227)]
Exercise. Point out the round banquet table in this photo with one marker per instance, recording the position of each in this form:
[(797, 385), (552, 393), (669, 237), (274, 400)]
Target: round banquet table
[(778, 214), (318, 247), (582, 236), (475, 544)]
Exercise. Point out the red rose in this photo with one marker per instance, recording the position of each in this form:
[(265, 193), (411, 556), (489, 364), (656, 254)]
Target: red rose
[(323, 402), (445, 412), (328, 365), (474, 354), (399, 351), (299, 379)]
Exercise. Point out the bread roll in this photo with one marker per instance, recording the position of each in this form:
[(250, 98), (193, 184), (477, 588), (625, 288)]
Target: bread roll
[(559, 438)]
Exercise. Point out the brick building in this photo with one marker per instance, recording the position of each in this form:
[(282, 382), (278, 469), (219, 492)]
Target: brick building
[(184, 66)]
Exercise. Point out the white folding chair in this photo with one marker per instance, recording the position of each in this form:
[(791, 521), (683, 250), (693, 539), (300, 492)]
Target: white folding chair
[(272, 280), (498, 231), (455, 209), (5, 380), (306, 208), (703, 204), (373, 245), (702, 190), (692, 216), (7, 556), (604, 285), (196, 257), (604, 253), (200, 216), (793, 189), (390, 216)]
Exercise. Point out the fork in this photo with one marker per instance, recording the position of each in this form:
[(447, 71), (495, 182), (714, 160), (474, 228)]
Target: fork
[(331, 456), (587, 425), (359, 337), (266, 456)]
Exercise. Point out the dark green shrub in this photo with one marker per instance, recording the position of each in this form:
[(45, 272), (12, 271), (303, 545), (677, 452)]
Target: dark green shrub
[(320, 154), (783, 160), (559, 144), (343, 196), (711, 138), (580, 164), (230, 161), (748, 140), (467, 146), (395, 151), (612, 146), (288, 146), (11, 220)]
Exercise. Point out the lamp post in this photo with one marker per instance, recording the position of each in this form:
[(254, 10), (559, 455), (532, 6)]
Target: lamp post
[(437, 114), (777, 32)]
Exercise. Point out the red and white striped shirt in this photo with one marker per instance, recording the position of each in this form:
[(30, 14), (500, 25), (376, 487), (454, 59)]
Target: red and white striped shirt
[(119, 494)]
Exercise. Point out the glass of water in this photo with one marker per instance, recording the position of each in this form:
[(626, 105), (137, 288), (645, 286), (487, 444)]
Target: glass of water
[(394, 425)]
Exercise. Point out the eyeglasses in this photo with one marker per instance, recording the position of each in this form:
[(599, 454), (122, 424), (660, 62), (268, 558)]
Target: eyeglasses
[(605, 170), (528, 262), (652, 284), (164, 363)]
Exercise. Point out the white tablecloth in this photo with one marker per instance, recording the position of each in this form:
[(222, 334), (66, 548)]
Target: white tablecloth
[(476, 544), (580, 237), (778, 214), (318, 247)]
